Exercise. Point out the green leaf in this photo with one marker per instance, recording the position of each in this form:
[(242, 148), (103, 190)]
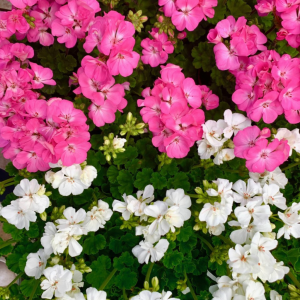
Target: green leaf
[(126, 279), (170, 169), (203, 56), (158, 181), (125, 181), (33, 231), (172, 259), (11, 170), (125, 260), (15, 233), (93, 244), (112, 174), (29, 287), (6, 250), (66, 63), (185, 234), (220, 12), (123, 157), (12, 260), (85, 197), (188, 246), (142, 178), (238, 8), (100, 270), (180, 180)]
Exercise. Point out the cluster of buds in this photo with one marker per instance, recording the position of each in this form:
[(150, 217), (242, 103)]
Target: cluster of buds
[(199, 224), (30, 20), (110, 3), (154, 283), (57, 213), (182, 284), (203, 197), (294, 292), (137, 19), (131, 223), (163, 159), (220, 254), (165, 25), (172, 236), (112, 146), (130, 127), (4, 293), (24, 173)]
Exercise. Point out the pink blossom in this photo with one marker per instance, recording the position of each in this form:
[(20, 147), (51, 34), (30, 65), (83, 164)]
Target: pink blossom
[(290, 96), (291, 20), (65, 34), (264, 7), (177, 146), (41, 76), (169, 7), (192, 92), (102, 112)]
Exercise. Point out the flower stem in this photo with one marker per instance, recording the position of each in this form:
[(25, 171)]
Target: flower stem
[(34, 290), (7, 180), (193, 195), (108, 278), (189, 284), (8, 184), (7, 243), (227, 241), (127, 138), (151, 265), (195, 167), (211, 248), (294, 279), (124, 295), (291, 166), (19, 276)]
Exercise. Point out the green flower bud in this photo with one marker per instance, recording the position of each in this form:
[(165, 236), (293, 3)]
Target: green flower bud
[(43, 216), (146, 285)]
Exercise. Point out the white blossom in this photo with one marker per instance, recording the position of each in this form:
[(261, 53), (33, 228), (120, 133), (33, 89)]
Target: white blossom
[(36, 264), (213, 132), (292, 137), (216, 230), (48, 236), (94, 294), (174, 218), (235, 122), (88, 174), (271, 195), (215, 214), (245, 193), (255, 291), (122, 207), (145, 251), (205, 149), (275, 296), (15, 215), (146, 295), (1, 209), (58, 281), (97, 217), (279, 271), (167, 295), (118, 143), (144, 230), (50, 176), (223, 294), (223, 155), (291, 221)]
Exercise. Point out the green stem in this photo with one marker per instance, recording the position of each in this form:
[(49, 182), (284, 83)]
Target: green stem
[(291, 166), (276, 219), (34, 290), (211, 248), (108, 278), (193, 195), (195, 167), (227, 241), (127, 139), (95, 197), (19, 276), (7, 243), (294, 279), (7, 180), (124, 295), (8, 184), (189, 284), (151, 265)]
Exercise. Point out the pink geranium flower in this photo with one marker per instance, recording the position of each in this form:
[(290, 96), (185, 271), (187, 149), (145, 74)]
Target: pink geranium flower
[(41, 76)]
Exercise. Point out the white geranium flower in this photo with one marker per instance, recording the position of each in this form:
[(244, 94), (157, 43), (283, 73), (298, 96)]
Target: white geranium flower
[(253, 209), (216, 230), (15, 215), (147, 295), (94, 294), (73, 222), (279, 271), (205, 149), (68, 181), (158, 211), (246, 233), (167, 295), (254, 291), (275, 296), (235, 122), (48, 236), (64, 240), (224, 293), (213, 132), (122, 207), (145, 251), (276, 177), (241, 261), (118, 143), (271, 195), (245, 193), (58, 281), (214, 215), (224, 190), (138, 205), (97, 217), (179, 199), (144, 230), (36, 264), (292, 137), (261, 247), (77, 282), (89, 173), (32, 196), (291, 221), (174, 218), (76, 296), (223, 155), (50, 176)]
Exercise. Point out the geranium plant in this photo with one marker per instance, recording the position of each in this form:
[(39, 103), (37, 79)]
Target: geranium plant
[(154, 148)]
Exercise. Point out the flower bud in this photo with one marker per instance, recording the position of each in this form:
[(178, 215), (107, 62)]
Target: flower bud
[(129, 116), (43, 216), (146, 285), (154, 282)]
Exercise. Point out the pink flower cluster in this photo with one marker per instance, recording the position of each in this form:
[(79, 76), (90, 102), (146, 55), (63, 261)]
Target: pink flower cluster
[(267, 86), (261, 155), (172, 110), (35, 132), (243, 41), (114, 39), (68, 22), (287, 14), (187, 14), (155, 52)]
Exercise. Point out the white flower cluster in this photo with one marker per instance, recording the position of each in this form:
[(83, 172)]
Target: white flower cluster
[(216, 133), (71, 180), (32, 200), (157, 219), (292, 137), (147, 295), (56, 239), (251, 258)]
